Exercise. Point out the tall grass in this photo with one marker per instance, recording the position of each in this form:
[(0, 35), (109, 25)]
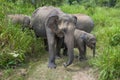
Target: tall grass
[(109, 64), (108, 61), (14, 43)]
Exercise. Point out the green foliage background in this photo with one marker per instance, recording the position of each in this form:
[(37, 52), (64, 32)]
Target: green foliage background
[(16, 45)]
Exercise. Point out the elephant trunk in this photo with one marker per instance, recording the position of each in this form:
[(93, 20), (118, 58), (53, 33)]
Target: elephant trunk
[(71, 58), (69, 41), (94, 51)]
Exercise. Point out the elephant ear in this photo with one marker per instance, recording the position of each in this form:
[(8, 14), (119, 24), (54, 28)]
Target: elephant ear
[(52, 23), (75, 19)]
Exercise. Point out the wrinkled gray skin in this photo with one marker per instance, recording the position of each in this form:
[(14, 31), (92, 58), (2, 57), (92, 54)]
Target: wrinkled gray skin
[(21, 19), (52, 23), (84, 22), (81, 40)]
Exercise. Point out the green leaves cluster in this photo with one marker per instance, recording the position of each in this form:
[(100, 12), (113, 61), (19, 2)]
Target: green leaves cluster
[(14, 43)]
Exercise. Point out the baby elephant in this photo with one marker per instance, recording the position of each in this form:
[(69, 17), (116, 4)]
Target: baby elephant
[(21, 19), (83, 39)]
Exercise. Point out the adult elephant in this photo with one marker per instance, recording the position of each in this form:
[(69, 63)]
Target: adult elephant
[(51, 23), (84, 22)]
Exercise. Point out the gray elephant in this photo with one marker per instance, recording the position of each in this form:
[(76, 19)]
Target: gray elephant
[(83, 39), (84, 22), (21, 19), (52, 24)]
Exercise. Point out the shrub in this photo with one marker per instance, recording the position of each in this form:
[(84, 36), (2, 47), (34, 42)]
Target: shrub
[(14, 43), (108, 64)]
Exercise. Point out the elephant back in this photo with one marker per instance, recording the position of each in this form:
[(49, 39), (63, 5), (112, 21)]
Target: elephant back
[(84, 22), (39, 18)]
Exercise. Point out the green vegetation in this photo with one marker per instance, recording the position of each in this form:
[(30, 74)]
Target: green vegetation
[(16, 46), (14, 43)]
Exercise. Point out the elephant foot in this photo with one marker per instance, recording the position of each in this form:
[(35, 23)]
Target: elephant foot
[(51, 65)]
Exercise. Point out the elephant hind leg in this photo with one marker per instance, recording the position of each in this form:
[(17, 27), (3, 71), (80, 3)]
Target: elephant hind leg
[(59, 46), (46, 44), (65, 50)]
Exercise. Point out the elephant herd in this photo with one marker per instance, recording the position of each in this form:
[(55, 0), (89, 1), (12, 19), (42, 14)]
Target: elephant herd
[(60, 30)]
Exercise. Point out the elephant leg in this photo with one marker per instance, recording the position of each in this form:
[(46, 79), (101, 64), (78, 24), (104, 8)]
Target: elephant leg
[(52, 49), (58, 47), (65, 50), (69, 41), (81, 57), (82, 52), (46, 44)]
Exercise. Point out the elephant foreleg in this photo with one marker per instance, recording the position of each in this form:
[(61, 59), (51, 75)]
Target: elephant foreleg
[(58, 46), (82, 51), (52, 49)]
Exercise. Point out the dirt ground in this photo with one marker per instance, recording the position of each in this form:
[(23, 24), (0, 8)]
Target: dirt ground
[(38, 70), (77, 71)]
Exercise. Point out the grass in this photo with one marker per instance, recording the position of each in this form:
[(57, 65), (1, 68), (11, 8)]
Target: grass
[(33, 56)]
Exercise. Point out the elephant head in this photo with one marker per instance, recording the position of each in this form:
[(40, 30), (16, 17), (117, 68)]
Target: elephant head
[(63, 25), (26, 22), (90, 41), (92, 44)]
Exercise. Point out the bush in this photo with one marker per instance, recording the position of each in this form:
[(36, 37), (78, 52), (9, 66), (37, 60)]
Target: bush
[(14, 43), (108, 63)]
